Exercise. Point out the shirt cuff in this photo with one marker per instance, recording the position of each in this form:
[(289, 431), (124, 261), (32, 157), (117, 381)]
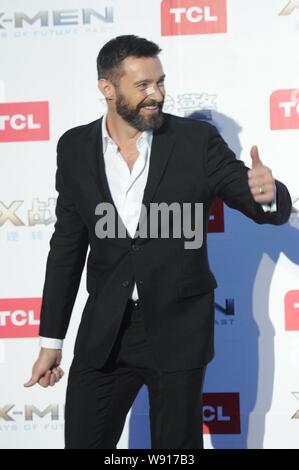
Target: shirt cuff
[(50, 343), (272, 206)]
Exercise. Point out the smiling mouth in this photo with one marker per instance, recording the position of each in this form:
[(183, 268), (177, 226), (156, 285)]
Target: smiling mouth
[(151, 108)]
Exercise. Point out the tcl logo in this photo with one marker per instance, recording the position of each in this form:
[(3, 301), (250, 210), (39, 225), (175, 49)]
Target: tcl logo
[(180, 17), (216, 221), (291, 307), (221, 413), (20, 318), (21, 122), (284, 108)]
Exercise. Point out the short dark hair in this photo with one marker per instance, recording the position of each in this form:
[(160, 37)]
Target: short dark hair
[(113, 53)]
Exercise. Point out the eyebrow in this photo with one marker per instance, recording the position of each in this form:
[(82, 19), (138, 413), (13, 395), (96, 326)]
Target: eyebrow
[(148, 80)]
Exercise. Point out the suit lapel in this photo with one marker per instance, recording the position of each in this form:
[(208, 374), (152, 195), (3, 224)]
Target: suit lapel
[(162, 147), (96, 161)]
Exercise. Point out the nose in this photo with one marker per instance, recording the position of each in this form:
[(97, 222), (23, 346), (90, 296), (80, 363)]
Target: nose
[(154, 92)]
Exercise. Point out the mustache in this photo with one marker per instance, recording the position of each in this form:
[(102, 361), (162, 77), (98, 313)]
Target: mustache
[(151, 103)]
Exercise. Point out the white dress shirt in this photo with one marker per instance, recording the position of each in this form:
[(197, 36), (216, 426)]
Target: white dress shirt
[(126, 188)]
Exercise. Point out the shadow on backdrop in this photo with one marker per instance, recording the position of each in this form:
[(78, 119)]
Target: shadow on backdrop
[(243, 260)]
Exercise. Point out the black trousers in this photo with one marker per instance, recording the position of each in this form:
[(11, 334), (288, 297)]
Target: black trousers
[(98, 400)]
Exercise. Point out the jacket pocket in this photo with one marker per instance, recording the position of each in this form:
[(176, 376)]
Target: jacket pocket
[(197, 285)]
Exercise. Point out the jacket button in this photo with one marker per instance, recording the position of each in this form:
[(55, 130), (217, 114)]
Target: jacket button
[(135, 247), (140, 282), (125, 283)]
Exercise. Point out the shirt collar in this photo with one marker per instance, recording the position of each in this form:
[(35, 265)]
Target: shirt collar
[(145, 138)]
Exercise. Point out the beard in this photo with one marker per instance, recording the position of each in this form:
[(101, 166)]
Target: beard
[(134, 117)]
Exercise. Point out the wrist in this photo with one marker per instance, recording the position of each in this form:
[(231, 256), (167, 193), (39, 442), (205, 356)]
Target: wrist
[(49, 351)]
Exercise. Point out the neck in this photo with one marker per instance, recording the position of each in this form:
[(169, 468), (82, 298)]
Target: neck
[(120, 130)]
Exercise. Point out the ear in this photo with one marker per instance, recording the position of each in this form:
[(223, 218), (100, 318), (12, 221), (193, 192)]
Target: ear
[(106, 88)]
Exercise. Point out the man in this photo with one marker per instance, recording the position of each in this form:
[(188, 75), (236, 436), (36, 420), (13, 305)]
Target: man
[(149, 317)]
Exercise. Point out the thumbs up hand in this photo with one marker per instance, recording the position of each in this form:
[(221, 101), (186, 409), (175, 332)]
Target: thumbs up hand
[(260, 180)]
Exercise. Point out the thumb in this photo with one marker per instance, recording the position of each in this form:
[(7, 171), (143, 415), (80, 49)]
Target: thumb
[(30, 383), (254, 153), (33, 381)]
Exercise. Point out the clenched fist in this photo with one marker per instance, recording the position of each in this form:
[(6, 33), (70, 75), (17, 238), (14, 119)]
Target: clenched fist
[(46, 371)]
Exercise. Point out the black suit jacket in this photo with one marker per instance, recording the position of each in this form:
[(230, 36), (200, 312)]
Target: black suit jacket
[(190, 162)]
